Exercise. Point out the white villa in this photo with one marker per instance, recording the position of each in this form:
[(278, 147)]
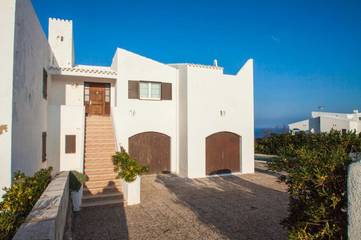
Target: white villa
[(325, 121), (187, 119)]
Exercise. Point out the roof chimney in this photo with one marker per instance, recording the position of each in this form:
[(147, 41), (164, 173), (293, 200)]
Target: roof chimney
[(215, 62)]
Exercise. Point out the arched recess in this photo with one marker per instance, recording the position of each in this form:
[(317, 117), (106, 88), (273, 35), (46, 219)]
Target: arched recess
[(223, 153), (151, 149)]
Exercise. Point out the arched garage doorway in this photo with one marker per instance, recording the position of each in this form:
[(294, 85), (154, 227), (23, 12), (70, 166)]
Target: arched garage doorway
[(151, 149), (223, 153)]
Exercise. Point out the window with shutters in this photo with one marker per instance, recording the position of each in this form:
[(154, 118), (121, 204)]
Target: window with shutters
[(145, 90), (150, 90)]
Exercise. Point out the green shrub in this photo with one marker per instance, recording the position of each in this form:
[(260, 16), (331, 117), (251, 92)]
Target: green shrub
[(127, 167), (76, 180), (19, 199), (317, 170)]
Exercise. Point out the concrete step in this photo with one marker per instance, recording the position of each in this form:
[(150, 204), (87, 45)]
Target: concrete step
[(105, 158), (108, 134), (93, 197), (100, 138), (107, 119), (99, 154), (103, 184), (102, 177), (98, 141), (99, 126), (100, 146), (98, 190), (98, 165), (102, 170), (103, 203), (99, 123), (100, 134)]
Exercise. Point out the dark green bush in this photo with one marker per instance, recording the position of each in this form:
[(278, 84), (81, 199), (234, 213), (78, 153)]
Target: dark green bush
[(127, 167), (317, 170), (19, 199), (76, 180)]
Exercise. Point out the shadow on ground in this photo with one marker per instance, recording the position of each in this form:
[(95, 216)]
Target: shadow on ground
[(100, 222), (233, 207)]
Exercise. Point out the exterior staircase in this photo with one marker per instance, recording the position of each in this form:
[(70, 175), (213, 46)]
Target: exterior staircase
[(102, 188)]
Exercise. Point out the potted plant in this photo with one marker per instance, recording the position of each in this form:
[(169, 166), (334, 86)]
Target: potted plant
[(129, 170), (76, 181)]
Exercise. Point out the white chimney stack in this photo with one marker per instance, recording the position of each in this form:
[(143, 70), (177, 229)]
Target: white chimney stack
[(215, 62)]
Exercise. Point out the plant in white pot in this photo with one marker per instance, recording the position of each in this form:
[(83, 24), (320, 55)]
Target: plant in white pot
[(76, 181), (129, 170)]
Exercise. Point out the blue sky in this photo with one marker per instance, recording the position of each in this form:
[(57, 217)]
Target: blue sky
[(307, 53)]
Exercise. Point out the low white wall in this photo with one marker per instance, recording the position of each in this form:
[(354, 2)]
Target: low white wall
[(354, 201), (47, 219), (72, 119), (7, 26), (157, 116)]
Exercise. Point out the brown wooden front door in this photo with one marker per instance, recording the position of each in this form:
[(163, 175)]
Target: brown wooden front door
[(97, 98), (223, 153), (151, 149)]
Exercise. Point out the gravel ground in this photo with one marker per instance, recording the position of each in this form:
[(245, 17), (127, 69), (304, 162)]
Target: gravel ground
[(248, 206)]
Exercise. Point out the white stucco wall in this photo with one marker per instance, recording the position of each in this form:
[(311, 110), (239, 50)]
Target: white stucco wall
[(182, 122), (327, 123), (29, 108), (53, 141), (66, 120), (72, 123), (157, 116), (208, 92), (7, 26)]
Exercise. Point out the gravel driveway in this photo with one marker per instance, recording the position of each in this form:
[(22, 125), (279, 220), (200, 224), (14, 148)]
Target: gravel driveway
[(248, 206)]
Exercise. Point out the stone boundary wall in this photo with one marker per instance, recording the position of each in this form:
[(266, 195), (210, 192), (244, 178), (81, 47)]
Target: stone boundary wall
[(48, 217), (354, 199)]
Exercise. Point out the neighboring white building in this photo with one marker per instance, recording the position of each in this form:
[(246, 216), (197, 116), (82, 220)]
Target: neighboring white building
[(189, 119), (325, 121)]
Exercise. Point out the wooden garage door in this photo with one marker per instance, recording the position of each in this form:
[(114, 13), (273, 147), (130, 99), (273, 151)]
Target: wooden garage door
[(223, 153), (151, 149)]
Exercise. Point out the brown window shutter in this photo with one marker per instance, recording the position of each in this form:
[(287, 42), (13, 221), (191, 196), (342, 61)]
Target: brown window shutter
[(70, 143), (133, 89), (166, 91), (43, 147)]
